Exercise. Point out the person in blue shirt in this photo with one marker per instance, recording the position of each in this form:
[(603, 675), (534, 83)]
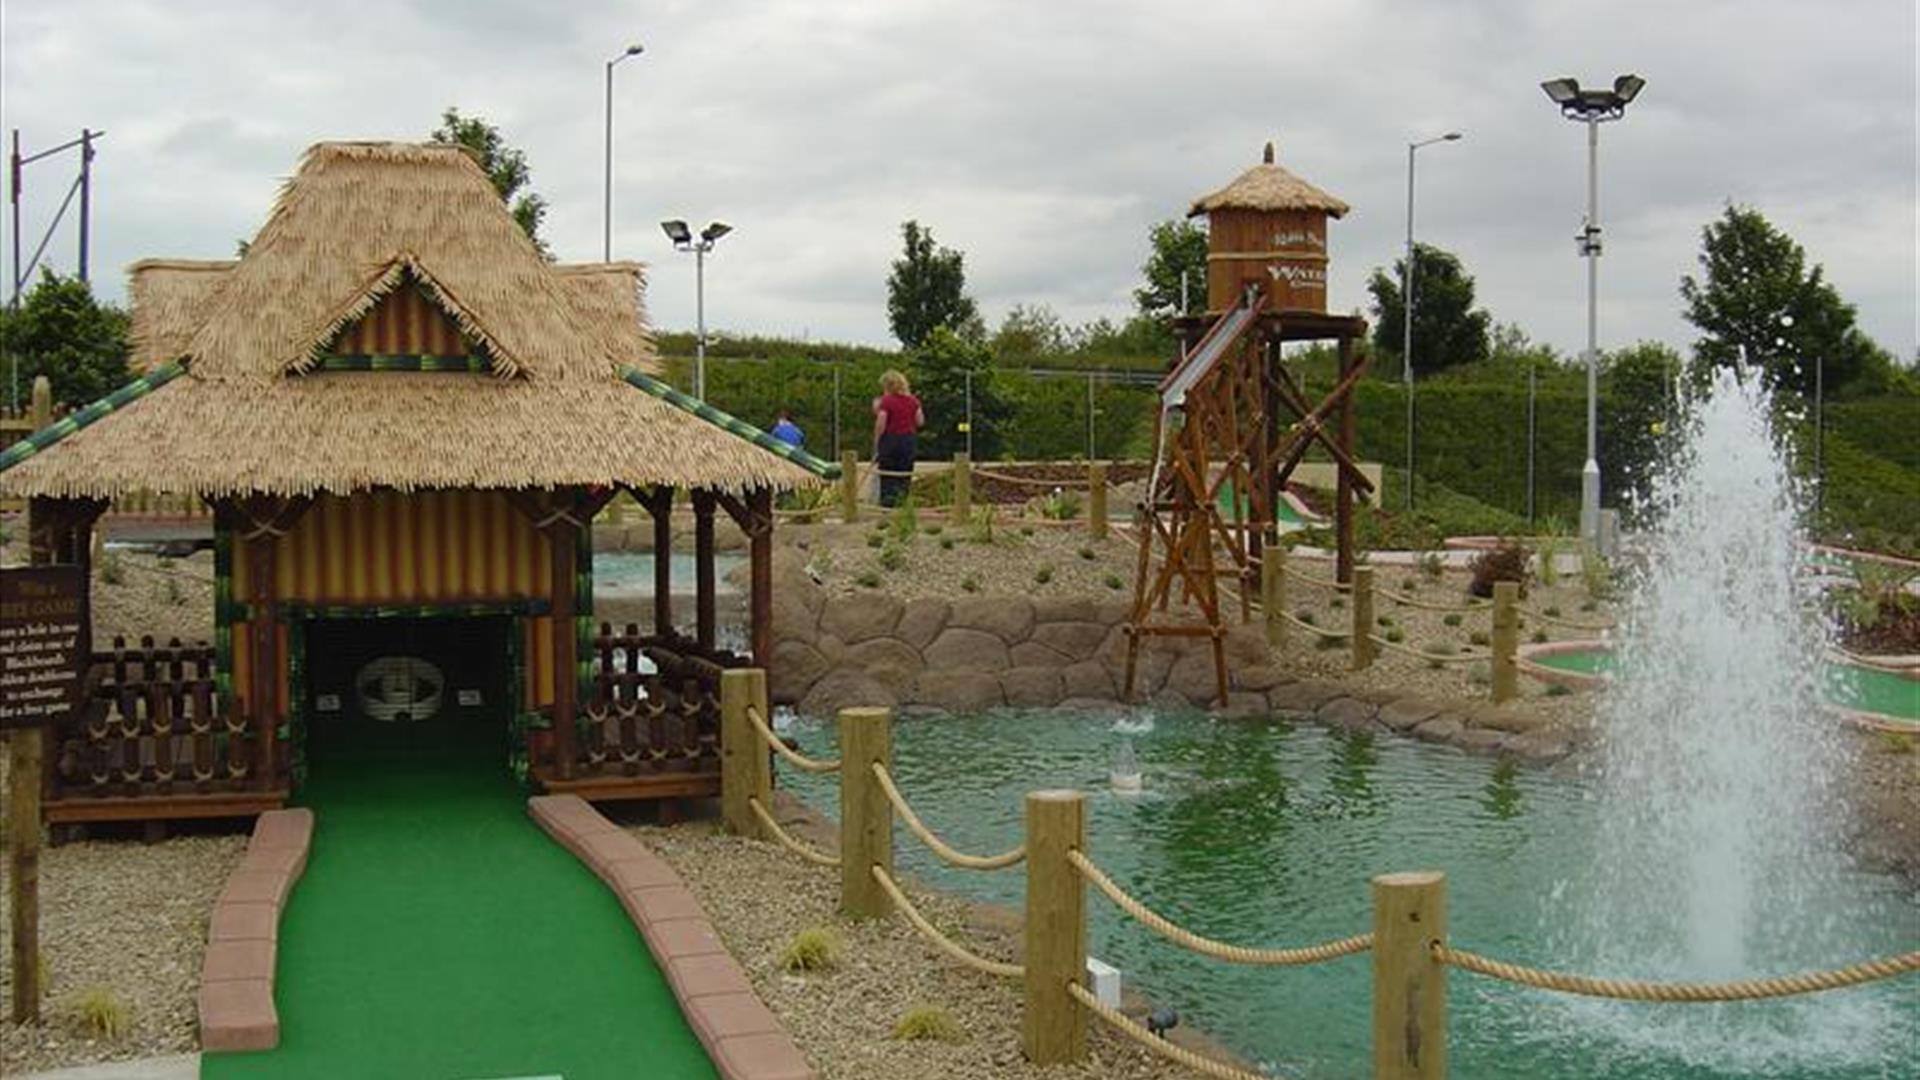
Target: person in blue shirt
[(787, 431)]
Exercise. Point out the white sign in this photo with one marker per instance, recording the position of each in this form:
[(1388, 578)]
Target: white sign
[(326, 703), (467, 698)]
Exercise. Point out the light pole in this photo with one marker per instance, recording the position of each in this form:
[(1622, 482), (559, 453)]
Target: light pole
[(684, 240), (1406, 300), (606, 210), (1591, 107)]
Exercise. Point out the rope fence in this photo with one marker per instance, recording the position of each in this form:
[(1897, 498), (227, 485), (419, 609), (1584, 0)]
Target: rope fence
[(1567, 624), (1173, 1052), (1312, 629), (1427, 656), (1219, 950), (788, 840), (1637, 990), (951, 855), (941, 941), (1400, 597), (794, 757)]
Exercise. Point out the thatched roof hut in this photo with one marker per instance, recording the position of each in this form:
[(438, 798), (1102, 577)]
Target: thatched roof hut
[(1268, 187), (278, 373)]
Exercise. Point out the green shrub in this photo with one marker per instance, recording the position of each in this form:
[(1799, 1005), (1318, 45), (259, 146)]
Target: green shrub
[(1062, 505), (99, 1012), (1337, 603), (816, 948), (904, 523), (1396, 635), (1113, 582), (927, 1022), (1552, 611), (893, 557), (1539, 637), (935, 530), (1596, 575), (946, 543), (1547, 554), (1043, 575), (1085, 553), (1383, 620), (1478, 637), (868, 579), (969, 584), (875, 539), (112, 571), (1304, 616), (1557, 690), (1452, 618)]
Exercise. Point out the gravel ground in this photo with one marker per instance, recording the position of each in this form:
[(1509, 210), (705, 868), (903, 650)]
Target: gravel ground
[(130, 918), (941, 558), (759, 896)]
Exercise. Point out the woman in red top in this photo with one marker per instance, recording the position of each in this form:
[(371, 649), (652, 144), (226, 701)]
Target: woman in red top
[(896, 418)]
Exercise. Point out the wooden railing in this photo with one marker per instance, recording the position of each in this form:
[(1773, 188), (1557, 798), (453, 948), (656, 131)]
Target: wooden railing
[(663, 723)]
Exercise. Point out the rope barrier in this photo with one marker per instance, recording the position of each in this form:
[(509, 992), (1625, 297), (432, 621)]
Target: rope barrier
[(934, 843), (1219, 950), (788, 841), (1171, 1051), (1083, 484), (1324, 583), (1568, 624), (944, 943), (1635, 990), (1427, 605), (1422, 654), (1835, 652), (1312, 629), (799, 760)]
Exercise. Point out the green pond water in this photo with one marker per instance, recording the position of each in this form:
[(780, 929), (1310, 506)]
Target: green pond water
[(1264, 833), (1846, 685)]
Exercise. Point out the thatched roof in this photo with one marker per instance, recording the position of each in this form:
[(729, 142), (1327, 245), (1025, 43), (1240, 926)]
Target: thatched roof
[(233, 398), (1267, 186)]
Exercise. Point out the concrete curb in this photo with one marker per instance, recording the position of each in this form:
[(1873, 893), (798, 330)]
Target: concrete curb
[(243, 935), (744, 1039)]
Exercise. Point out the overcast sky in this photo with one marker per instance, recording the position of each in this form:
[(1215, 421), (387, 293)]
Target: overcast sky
[(1041, 138)]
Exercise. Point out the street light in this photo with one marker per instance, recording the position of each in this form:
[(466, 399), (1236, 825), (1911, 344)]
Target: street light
[(1406, 300), (1591, 107), (683, 240), (606, 249)]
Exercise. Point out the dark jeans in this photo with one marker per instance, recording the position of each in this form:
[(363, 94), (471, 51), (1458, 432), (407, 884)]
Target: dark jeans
[(896, 455)]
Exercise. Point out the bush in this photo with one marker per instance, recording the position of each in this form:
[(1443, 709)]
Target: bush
[(927, 1022), (1478, 637), (868, 579), (1043, 575), (112, 571), (100, 1013), (1452, 618), (1539, 637), (1086, 553), (816, 948), (1396, 635), (875, 539), (893, 557), (1113, 582), (1062, 505), (969, 584), (1507, 562), (946, 543)]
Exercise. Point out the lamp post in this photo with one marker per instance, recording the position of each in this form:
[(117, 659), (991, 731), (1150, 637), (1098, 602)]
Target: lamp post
[(606, 216), (1406, 300), (1591, 107), (684, 240)]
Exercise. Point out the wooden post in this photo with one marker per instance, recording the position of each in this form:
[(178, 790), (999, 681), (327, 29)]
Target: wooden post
[(1273, 589), (1343, 484), (560, 542), (866, 818), (1054, 1026), (760, 595), (1409, 985), (1361, 600), (42, 402), (264, 660), (962, 487), (1506, 639), (704, 618), (745, 772), (660, 505), (1097, 500), (23, 871), (849, 486)]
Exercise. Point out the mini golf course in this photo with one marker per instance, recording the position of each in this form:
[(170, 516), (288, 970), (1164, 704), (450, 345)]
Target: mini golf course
[(1850, 686), (439, 933)]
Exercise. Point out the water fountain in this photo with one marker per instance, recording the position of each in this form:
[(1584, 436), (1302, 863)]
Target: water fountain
[(1716, 854)]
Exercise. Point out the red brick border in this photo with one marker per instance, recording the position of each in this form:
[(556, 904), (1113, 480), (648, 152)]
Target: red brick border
[(236, 978), (744, 1039)]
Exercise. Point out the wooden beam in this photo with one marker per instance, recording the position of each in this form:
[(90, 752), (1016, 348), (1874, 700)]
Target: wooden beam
[(659, 504), (1343, 478), (760, 597), (703, 590)]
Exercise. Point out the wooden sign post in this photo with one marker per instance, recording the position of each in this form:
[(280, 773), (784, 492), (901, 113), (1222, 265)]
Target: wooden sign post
[(42, 618)]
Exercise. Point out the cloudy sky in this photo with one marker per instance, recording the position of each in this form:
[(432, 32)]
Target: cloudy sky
[(1041, 138)]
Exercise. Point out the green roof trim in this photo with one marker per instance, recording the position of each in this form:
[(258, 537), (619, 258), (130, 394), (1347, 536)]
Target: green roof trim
[(729, 423), (72, 422)]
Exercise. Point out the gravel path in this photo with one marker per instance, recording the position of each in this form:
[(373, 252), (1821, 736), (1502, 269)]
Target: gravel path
[(124, 916), (759, 896)]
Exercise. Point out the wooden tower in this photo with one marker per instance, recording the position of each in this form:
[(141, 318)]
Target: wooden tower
[(1220, 435)]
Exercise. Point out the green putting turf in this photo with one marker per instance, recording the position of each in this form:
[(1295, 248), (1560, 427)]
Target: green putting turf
[(438, 933), (1284, 513), (1851, 687)]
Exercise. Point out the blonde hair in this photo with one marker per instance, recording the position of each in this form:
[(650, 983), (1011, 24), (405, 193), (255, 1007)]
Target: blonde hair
[(892, 382)]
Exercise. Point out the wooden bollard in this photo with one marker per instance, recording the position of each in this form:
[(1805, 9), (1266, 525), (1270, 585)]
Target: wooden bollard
[(1506, 639), (866, 817), (1097, 500), (1054, 1026), (23, 869), (745, 771), (1362, 617), (42, 402), (849, 486), (962, 487), (1273, 588), (1409, 985)]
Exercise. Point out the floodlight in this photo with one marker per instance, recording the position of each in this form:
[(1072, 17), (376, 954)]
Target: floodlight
[(635, 49), (715, 230), (1562, 91), (1627, 86), (677, 231)]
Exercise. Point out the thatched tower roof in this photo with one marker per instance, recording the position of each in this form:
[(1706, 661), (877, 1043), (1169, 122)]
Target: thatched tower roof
[(237, 394), (1267, 186)]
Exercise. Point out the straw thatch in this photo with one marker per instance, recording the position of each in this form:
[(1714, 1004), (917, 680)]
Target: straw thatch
[(1267, 186), (253, 414)]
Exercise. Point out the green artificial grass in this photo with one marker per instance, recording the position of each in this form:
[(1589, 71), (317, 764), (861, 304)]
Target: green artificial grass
[(1864, 689), (439, 933)]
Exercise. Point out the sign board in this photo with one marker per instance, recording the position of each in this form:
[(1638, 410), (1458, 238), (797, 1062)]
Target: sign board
[(42, 619)]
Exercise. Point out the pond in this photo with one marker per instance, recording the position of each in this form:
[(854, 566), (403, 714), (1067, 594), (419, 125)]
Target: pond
[(1265, 834), (632, 571)]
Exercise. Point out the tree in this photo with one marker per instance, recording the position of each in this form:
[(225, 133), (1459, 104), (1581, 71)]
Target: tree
[(1032, 332), (942, 366), (1641, 409), (1758, 302), (61, 332), (504, 165), (928, 290), (1179, 251), (1446, 329)]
